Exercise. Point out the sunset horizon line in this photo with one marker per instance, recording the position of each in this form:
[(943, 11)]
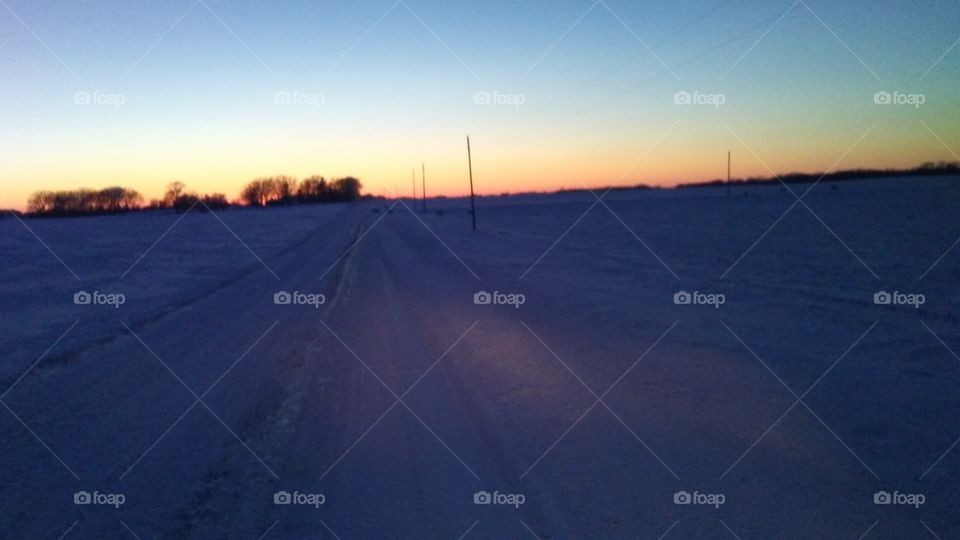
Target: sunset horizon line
[(927, 168)]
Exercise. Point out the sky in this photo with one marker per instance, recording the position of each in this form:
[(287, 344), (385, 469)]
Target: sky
[(554, 94)]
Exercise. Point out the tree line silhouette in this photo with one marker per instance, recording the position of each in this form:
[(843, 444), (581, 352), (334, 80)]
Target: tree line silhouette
[(943, 168), (286, 190), (272, 191), (84, 201)]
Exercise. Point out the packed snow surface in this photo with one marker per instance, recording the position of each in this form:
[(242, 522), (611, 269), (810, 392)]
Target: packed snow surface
[(574, 369)]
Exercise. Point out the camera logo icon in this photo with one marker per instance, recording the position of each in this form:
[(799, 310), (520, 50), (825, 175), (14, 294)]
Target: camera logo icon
[(882, 98), (683, 98), (282, 497), (682, 497), (82, 298), (82, 98), (482, 497), (882, 497), (482, 98), (682, 298), (82, 497), (282, 98), (282, 298), (882, 298), (482, 298)]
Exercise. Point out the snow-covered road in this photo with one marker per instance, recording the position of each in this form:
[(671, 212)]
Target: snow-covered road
[(401, 402)]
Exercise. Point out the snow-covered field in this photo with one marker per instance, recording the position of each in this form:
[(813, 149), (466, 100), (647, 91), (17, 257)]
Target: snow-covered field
[(583, 397)]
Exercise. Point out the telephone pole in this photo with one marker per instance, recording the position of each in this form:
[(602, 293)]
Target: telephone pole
[(473, 206), (728, 173), (423, 177), (413, 175)]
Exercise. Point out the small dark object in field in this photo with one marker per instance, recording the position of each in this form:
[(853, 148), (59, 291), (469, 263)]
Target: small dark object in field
[(375, 210)]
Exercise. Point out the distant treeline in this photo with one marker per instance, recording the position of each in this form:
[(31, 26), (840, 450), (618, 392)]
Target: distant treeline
[(927, 169), (84, 201), (287, 190), (600, 189), (260, 192)]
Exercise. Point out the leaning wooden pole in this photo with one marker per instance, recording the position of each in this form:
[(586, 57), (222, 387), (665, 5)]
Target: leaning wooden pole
[(728, 174), (473, 206)]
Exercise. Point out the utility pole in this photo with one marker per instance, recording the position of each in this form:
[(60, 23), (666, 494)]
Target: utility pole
[(473, 206), (423, 178), (413, 175), (728, 173)]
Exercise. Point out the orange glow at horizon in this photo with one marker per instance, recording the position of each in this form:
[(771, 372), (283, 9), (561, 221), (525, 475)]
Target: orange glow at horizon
[(498, 168)]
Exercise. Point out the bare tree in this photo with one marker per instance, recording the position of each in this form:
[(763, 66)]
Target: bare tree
[(174, 192)]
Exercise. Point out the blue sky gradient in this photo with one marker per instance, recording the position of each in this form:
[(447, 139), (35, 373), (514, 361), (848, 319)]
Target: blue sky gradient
[(198, 80)]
